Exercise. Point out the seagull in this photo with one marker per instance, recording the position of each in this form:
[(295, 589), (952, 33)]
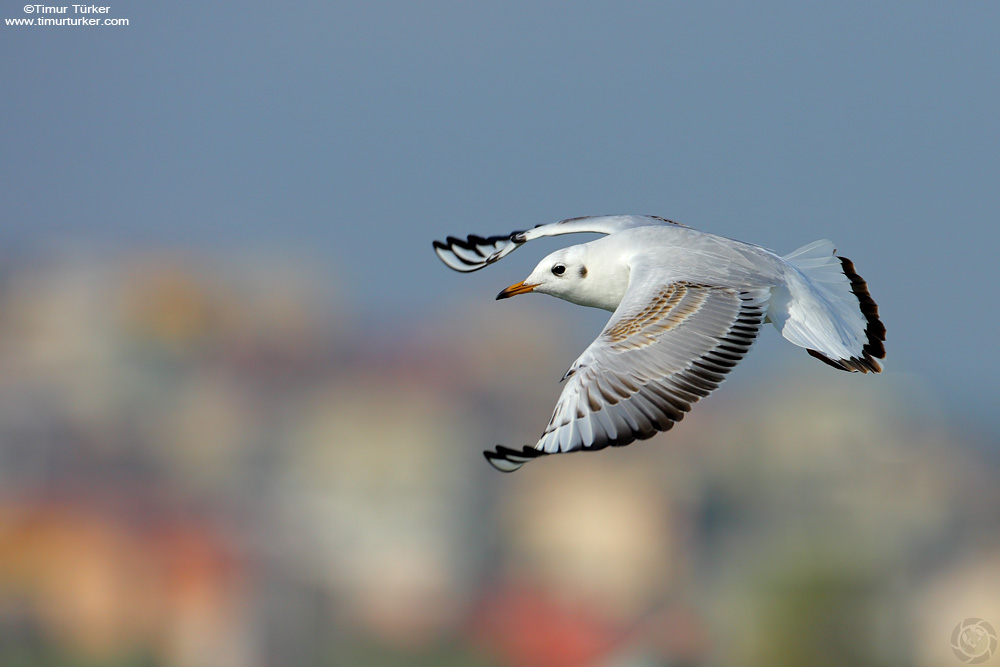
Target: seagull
[(687, 305)]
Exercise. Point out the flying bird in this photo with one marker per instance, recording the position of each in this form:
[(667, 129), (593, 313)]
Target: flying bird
[(687, 305)]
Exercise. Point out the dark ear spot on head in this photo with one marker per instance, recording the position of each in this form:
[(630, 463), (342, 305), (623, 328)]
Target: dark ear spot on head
[(583, 272)]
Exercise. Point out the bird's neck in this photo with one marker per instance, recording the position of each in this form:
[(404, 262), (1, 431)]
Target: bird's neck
[(604, 287)]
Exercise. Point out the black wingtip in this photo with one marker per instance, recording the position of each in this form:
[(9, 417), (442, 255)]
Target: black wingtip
[(506, 459)]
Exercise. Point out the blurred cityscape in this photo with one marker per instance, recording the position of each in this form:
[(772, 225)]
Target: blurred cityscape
[(209, 461)]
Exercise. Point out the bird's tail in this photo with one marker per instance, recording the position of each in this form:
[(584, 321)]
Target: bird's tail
[(826, 308)]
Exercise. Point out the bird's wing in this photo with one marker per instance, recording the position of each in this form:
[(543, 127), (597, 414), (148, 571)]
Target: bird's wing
[(666, 346), (474, 252)]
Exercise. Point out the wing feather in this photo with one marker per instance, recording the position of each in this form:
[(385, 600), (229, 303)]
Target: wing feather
[(476, 252), (666, 347)]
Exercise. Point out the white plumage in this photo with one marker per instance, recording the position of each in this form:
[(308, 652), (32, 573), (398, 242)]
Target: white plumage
[(687, 306)]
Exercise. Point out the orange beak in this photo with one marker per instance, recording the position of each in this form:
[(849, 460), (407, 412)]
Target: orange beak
[(514, 290)]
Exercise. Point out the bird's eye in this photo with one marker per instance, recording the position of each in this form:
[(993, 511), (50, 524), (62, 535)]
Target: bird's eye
[(559, 269)]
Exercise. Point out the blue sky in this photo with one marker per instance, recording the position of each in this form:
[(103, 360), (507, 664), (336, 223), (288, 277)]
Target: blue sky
[(355, 133)]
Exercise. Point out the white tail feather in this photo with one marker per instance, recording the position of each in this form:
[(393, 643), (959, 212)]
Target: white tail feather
[(825, 307)]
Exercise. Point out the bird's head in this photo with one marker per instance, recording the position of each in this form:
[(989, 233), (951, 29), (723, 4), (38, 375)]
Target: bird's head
[(575, 274)]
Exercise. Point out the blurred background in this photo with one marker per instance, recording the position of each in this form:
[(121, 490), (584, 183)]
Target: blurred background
[(242, 405)]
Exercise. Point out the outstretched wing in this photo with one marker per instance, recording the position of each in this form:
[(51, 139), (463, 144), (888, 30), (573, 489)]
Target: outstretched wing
[(665, 347), (474, 252)]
